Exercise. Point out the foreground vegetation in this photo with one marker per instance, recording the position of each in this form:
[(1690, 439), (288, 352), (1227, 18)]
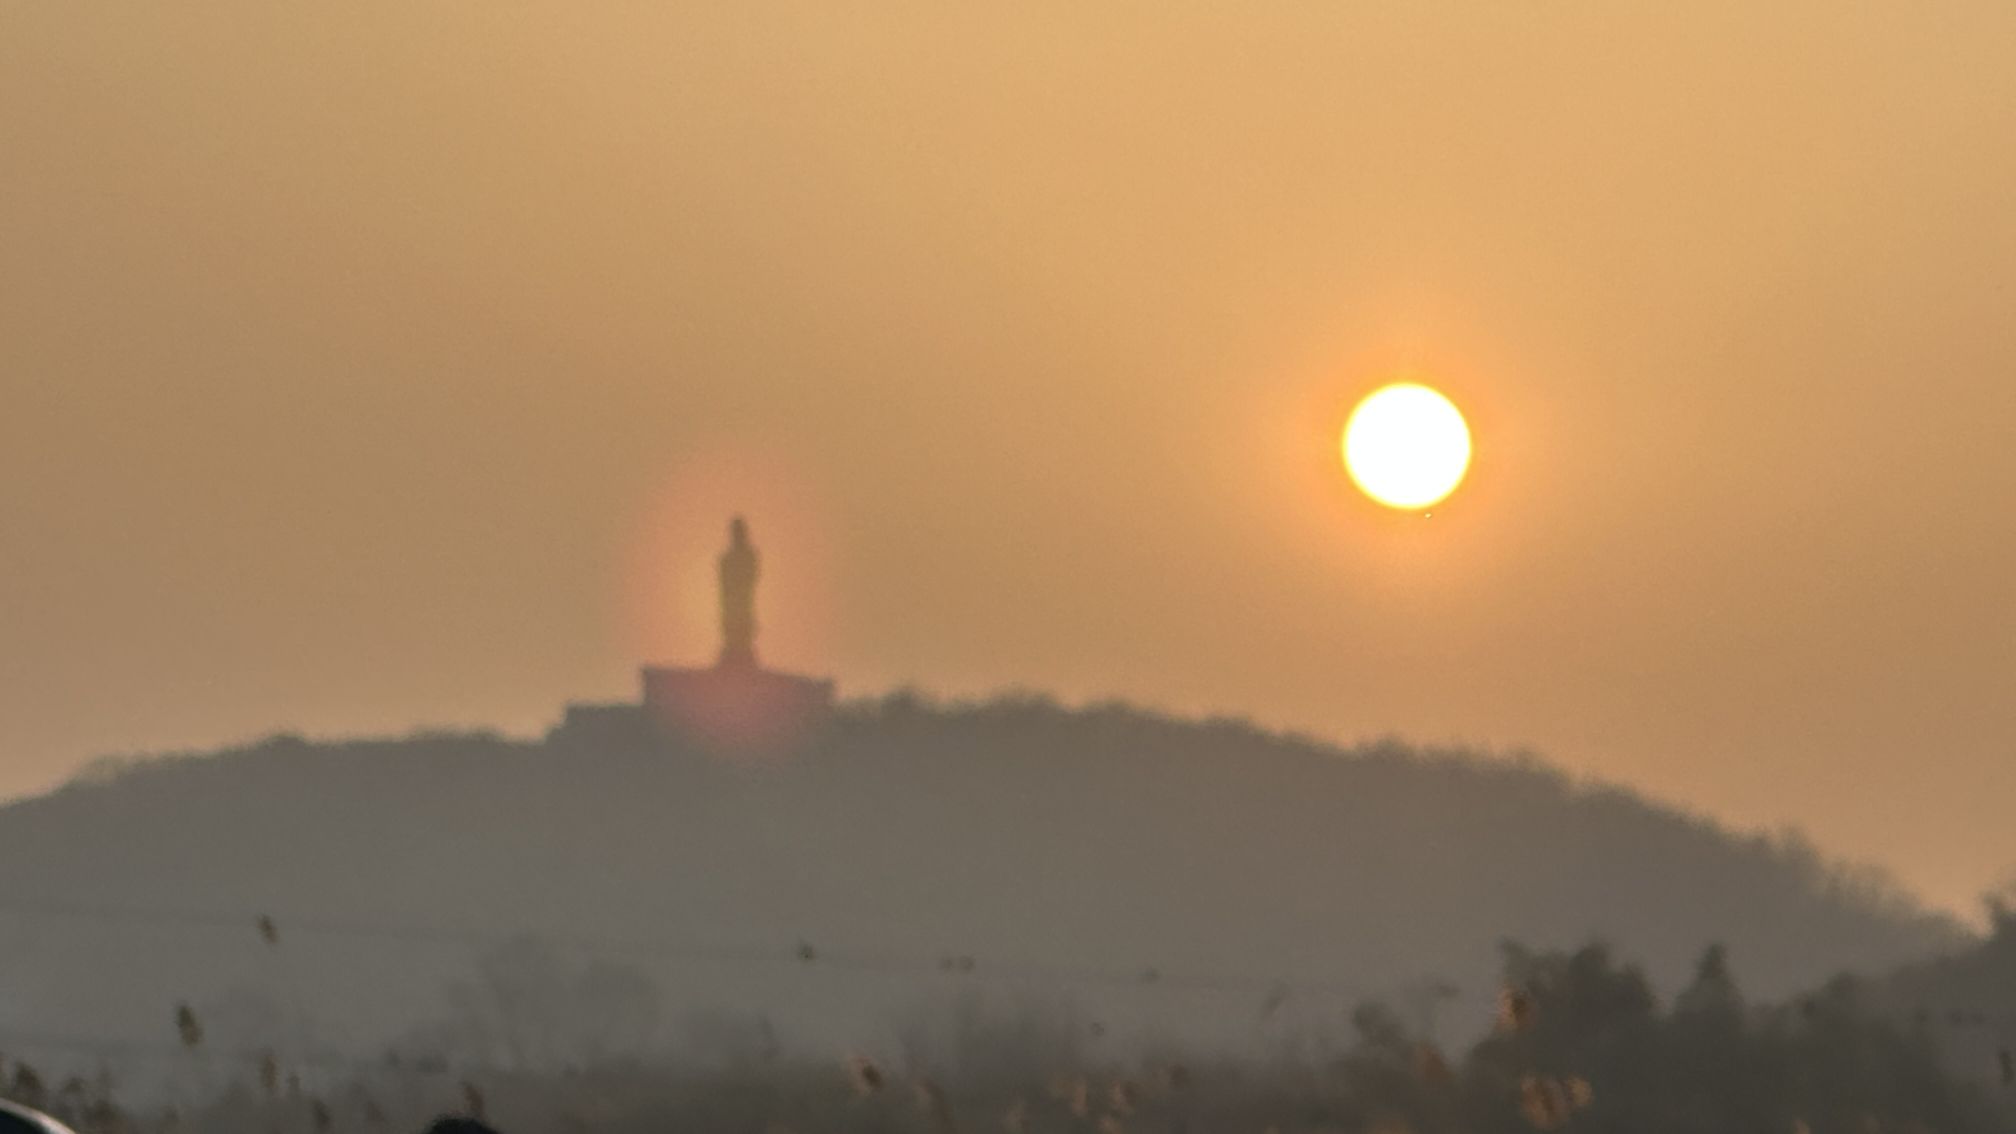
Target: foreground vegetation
[(1581, 1044)]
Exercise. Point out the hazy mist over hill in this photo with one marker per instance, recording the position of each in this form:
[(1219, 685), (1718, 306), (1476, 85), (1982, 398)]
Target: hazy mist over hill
[(1154, 879), (379, 364), (1443, 568)]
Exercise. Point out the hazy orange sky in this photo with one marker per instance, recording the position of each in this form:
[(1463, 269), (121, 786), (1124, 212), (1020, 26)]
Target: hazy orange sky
[(365, 366)]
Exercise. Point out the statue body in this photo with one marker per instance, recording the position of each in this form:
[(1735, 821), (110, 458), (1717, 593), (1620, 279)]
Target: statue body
[(739, 568)]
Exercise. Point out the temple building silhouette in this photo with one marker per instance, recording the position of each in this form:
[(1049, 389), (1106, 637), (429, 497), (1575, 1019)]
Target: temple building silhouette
[(734, 704)]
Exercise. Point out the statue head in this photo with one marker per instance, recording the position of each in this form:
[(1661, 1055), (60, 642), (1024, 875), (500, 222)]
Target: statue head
[(738, 531)]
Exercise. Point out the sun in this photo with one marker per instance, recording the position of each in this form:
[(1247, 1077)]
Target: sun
[(1407, 446)]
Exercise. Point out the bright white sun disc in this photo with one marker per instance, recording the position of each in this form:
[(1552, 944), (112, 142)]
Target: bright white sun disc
[(1407, 446)]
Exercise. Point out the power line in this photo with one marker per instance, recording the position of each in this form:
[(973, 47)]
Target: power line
[(14, 1040), (801, 954)]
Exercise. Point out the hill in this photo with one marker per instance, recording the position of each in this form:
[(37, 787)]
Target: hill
[(1964, 1000), (1156, 877)]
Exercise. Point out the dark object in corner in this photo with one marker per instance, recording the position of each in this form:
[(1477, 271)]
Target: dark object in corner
[(458, 1124)]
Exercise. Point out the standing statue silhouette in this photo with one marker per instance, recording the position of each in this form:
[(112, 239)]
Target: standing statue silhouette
[(739, 568)]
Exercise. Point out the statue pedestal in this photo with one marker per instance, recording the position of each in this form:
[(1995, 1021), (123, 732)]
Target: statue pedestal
[(736, 707)]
